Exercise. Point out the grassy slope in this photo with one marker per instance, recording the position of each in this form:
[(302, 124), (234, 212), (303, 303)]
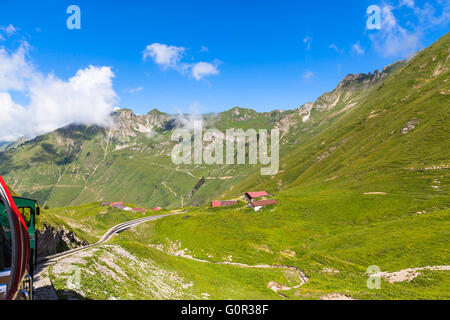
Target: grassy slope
[(13, 193), (151, 274), (324, 214), (148, 266)]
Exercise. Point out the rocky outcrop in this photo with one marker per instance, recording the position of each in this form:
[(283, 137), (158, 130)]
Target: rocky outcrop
[(305, 111), (52, 240), (128, 126), (343, 94), (411, 125), (241, 114), (196, 187), (360, 78)]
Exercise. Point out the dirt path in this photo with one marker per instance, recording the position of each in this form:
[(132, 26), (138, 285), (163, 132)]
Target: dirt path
[(174, 193), (272, 285), (105, 153), (176, 169), (50, 186), (87, 176)]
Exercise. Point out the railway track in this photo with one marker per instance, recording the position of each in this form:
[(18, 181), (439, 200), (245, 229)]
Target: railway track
[(108, 235)]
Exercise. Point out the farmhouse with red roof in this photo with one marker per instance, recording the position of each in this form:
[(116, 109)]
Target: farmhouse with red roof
[(258, 205), (250, 196)]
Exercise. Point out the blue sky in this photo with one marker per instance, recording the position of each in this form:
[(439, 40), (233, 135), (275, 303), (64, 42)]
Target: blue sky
[(260, 54)]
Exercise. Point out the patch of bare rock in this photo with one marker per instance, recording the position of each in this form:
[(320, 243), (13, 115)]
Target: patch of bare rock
[(410, 125), (375, 193), (409, 274)]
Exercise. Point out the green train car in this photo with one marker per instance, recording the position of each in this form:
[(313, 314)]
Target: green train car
[(29, 209)]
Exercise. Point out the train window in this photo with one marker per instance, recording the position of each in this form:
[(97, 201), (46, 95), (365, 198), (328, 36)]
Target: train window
[(26, 215), (5, 243)]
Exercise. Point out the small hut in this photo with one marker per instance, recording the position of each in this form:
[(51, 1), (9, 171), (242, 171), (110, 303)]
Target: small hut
[(226, 203)]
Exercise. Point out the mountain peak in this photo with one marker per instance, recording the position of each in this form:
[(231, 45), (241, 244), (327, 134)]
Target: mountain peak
[(360, 79), (124, 113)]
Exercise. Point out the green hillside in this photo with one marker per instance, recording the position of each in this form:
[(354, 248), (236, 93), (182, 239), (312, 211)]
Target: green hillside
[(400, 126), (364, 181), (371, 188)]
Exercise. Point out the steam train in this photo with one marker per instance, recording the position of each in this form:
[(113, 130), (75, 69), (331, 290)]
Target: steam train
[(17, 245)]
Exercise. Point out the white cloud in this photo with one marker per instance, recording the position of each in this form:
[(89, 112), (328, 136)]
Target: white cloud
[(396, 40), (164, 55), (427, 15), (336, 48), (408, 3), (15, 70), (170, 57), (86, 98), (202, 69), (308, 75), (186, 121), (307, 41), (12, 114), (135, 90), (393, 39), (358, 49), (204, 49), (9, 30)]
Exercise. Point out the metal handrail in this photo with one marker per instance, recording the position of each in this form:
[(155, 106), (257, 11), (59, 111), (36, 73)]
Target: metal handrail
[(24, 294), (28, 286)]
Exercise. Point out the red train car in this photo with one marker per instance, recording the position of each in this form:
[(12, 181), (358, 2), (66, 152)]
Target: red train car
[(14, 250)]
